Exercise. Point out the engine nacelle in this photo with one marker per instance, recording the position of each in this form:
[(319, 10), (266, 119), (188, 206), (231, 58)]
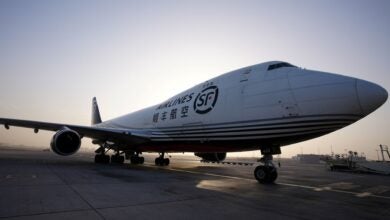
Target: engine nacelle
[(213, 157), (65, 142)]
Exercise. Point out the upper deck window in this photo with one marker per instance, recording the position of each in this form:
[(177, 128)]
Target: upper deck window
[(279, 65)]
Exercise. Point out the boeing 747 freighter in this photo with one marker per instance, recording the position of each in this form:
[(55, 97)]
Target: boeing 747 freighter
[(260, 107)]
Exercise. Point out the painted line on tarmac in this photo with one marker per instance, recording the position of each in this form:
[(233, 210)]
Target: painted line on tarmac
[(318, 189)]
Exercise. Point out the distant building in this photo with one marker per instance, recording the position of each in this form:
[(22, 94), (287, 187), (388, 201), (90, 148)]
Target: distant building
[(309, 158)]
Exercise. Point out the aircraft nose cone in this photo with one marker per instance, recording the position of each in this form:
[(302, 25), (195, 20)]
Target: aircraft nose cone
[(371, 96)]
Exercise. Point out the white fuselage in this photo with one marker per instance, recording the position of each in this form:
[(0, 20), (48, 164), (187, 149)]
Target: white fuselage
[(252, 107)]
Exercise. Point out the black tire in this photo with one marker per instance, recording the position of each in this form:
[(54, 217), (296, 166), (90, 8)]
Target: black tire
[(117, 159), (265, 174), (260, 174), (161, 161), (134, 160), (273, 174), (105, 159), (114, 159), (157, 161), (98, 158), (141, 160)]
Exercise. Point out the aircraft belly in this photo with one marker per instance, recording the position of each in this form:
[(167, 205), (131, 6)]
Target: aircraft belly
[(226, 145), (245, 135)]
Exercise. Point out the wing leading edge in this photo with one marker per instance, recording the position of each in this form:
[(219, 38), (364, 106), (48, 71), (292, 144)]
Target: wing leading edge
[(118, 136)]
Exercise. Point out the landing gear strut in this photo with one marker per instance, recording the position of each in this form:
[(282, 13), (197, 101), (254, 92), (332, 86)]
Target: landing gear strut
[(267, 173), (161, 161)]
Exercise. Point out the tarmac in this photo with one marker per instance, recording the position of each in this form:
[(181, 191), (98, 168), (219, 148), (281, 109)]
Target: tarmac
[(36, 184)]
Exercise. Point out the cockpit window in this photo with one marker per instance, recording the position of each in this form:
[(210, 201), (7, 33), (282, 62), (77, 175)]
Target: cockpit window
[(279, 65)]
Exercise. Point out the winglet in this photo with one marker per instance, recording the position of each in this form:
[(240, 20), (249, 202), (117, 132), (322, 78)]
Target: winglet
[(96, 119)]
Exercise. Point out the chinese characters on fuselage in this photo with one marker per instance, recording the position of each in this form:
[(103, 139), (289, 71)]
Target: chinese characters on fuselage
[(179, 107)]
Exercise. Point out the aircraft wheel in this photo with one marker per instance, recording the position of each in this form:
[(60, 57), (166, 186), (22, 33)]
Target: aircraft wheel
[(137, 160), (98, 158), (157, 161), (265, 174), (117, 159), (121, 159), (114, 159), (104, 159), (273, 175), (134, 160), (161, 161)]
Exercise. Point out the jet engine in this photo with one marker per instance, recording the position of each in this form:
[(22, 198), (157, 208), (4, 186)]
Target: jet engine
[(213, 157), (65, 142)]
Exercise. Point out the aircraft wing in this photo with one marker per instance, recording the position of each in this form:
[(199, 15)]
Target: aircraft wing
[(118, 136)]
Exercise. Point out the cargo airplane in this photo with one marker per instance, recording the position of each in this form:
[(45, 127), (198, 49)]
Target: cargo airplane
[(260, 107)]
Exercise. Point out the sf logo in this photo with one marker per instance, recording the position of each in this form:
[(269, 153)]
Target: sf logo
[(206, 99)]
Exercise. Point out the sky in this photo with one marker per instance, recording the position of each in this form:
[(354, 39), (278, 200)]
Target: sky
[(56, 55)]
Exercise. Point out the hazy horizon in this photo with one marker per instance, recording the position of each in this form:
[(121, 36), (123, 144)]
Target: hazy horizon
[(56, 55)]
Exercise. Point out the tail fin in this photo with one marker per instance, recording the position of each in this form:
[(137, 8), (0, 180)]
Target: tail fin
[(96, 119)]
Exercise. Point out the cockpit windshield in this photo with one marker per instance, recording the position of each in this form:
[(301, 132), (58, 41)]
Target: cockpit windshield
[(279, 65)]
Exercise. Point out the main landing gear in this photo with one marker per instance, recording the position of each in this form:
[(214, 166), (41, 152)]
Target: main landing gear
[(267, 173), (103, 158), (117, 158), (136, 159), (161, 161)]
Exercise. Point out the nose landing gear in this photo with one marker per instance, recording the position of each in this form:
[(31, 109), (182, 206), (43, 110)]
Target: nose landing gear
[(267, 173)]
